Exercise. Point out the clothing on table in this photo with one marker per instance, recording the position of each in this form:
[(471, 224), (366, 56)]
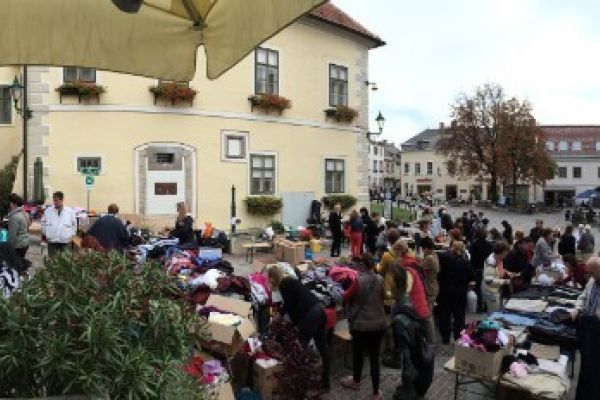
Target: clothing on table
[(313, 325), (524, 305), (110, 232), (567, 245), (542, 253), (59, 226), (335, 225), (18, 226), (369, 341)]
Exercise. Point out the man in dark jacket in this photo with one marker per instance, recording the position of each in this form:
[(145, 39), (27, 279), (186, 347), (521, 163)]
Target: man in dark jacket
[(335, 226), (480, 250), (371, 231), (109, 231), (446, 221), (517, 262), (536, 233)]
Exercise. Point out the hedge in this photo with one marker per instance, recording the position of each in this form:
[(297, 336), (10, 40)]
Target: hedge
[(345, 200), (263, 206)]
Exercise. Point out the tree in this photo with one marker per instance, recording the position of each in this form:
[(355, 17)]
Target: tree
[(7, 179), (494, 135)]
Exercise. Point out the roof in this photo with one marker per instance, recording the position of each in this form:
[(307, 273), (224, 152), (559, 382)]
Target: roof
[(588, 135), (424, 141), (333, 15)]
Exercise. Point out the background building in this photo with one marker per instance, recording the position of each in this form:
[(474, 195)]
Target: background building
[(376, 164), (152, 153)]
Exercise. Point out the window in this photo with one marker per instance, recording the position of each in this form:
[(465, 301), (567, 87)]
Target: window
[(576, 146), (266, 74), (262, 174), (550, 146), (165, 189), (338, 85), (5, 105), (235, 147), (429, 168), (335, 176), (417, 168), (164, 158), (374, 166), (73, 74), (576, 172), (563, 146), (89, 162), (406, 168), (597, 146), (374, 150), (562, 172), (598, 172)]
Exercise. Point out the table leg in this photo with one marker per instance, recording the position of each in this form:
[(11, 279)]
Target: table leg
[(456, 387)]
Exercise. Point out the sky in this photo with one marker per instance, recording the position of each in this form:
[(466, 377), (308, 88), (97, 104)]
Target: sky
[(545, 51)]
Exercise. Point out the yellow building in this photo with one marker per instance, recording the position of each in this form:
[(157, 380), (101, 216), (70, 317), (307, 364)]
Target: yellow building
[(152, 152)]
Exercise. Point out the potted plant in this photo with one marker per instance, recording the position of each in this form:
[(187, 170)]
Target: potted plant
[(263, 206), (89, 324), (173, 92), (268, 102), (83, 90), (345, 200), (342, 113)]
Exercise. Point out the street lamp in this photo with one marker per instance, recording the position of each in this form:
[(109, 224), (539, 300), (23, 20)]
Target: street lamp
[(380, 125), (18, 92)]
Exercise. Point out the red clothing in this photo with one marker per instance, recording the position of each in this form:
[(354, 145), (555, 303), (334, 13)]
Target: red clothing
[(578, 275), (331, 314), (417, 295), (409, 261), (356, 243)]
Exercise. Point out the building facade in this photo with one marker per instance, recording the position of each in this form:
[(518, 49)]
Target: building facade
[(153, 153), (576, 151), (376, 164), (384, 165)]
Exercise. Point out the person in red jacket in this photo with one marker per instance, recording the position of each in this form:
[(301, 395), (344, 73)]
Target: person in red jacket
[(409, 260)]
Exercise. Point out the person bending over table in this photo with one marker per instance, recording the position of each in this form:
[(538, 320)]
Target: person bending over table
[(577, 272), (306, 313)]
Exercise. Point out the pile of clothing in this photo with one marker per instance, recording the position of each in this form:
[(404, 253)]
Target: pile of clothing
[(485, 336), (328, 287), (10, 266), (208, 373)]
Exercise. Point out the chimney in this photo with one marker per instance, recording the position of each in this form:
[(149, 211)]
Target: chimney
[(441, 126)]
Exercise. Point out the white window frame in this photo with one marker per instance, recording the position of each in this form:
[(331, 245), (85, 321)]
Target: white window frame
[(406, 170), (328, 71), (417, 169), (324, 172), (276, 174), (429, 164), (225, 134), (598, 146), (268, 49), (100, 156), (78, 68), (550, 145), (565, 169), (576, 145)]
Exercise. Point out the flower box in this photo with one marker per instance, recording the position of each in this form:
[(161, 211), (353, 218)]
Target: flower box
[(342, 114), (81, 90), (268, 102), (174, 93)]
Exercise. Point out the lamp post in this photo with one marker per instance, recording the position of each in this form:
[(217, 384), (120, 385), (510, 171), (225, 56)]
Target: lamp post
[(18, 91), (380, 120)]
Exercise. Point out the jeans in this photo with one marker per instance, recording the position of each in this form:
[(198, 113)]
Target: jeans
[(312, 326), (371, 342), (452, 308)]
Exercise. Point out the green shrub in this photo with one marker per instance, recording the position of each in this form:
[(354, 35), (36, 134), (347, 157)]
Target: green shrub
[(345, 200), (264, 206), (89, 325), (278, 227), (7, 179)]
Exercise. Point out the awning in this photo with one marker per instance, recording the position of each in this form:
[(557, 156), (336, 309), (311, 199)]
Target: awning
[(160, 40), (559, 189)]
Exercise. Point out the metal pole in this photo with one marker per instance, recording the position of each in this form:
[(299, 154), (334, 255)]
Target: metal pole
[(233, 209), (88, 201), (24, 114)]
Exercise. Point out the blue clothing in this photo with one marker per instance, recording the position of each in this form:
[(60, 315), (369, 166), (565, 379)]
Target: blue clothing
[(513, 319), (357, 225), (110, 232)]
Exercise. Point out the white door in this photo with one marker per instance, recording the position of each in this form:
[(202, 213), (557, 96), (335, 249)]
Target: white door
[(164, 190)]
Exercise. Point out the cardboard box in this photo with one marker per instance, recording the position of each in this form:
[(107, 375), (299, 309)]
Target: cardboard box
[(226, 392), (479, 363), (294, 254), (227, 339), (265, 380)]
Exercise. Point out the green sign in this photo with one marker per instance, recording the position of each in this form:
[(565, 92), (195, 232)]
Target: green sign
[(89, 182)]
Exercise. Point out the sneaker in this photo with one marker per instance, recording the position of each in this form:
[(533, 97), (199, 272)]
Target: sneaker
[(349, 383), (378, 396)]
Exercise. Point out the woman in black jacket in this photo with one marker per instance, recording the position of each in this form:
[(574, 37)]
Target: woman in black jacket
[(306, 313), (455, 278), (567, 244), (371, 231), (507, 234), (335, 226), (184, 226)]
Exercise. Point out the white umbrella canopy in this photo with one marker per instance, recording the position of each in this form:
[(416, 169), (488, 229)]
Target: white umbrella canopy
[(159, 40)]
